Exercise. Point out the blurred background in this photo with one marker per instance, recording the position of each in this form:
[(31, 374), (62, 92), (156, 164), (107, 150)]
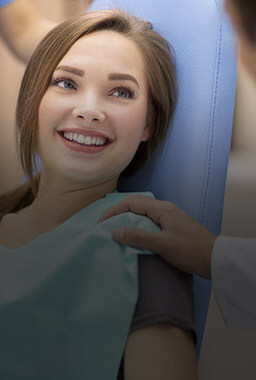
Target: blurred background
[(230, 353), (226, 354)]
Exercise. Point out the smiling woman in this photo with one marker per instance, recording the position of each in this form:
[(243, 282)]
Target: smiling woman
[(95, 101), (88, 100)]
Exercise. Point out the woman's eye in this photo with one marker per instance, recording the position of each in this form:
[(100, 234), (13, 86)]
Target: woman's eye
[(125, 93), (65, 83)]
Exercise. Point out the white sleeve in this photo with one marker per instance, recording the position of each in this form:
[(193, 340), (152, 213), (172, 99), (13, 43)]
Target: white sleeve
[(233, 270)]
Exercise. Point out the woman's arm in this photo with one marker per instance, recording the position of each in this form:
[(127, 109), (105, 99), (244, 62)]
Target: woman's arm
[(161, 351), (22, 27)]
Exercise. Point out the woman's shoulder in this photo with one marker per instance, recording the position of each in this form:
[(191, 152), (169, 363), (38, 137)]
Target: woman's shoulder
[(14, 231), (86, 221), (117, 196), (129, 218), (122, 195)]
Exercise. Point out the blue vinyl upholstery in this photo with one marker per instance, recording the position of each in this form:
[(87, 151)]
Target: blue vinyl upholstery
[(191, 168)]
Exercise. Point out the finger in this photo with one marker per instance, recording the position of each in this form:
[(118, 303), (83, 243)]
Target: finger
[(138, 238), (120, 208), (126, 205), (138, 204)]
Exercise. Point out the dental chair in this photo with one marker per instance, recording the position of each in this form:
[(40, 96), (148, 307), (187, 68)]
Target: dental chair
[(190, 170)]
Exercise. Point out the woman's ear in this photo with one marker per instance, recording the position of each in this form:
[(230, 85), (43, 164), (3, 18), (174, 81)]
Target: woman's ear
[(145, 134)]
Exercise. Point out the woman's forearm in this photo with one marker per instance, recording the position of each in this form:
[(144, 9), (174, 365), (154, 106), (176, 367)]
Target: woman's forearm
[(22, 26), (161, 351)]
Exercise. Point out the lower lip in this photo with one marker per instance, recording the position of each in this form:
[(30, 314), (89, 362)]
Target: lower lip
[(83, 148)]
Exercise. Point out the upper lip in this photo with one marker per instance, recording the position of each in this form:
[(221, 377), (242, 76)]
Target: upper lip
[(86, 132)]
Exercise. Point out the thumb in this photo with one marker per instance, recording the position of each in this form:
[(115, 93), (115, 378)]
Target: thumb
[(138, 238)]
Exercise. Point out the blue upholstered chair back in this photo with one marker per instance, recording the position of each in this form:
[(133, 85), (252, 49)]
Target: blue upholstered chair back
[(191, 168)]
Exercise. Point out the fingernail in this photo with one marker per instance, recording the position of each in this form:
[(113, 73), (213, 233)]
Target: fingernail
[(118, 234)]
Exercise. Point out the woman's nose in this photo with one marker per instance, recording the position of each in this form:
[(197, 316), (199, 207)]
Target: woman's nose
[(89, 114)]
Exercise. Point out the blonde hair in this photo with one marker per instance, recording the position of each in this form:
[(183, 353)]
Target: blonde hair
[(160, 74)]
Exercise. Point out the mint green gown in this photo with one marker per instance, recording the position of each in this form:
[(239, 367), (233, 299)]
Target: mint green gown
[(67, 298)]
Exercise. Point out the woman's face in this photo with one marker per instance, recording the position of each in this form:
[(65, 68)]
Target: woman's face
[(92, 117)]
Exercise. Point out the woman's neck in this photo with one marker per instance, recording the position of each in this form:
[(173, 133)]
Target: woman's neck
[(55, 203)]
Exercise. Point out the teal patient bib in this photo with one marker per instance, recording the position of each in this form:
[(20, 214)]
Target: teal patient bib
[(67, 299)]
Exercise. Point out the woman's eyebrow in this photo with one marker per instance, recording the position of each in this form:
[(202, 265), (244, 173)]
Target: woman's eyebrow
[(72, 70), (111, 76), (118, 76)]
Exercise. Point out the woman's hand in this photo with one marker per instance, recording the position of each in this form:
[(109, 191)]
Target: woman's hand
[(182, 242)]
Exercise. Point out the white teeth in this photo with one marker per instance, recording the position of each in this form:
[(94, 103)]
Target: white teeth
[(84, 140), (81, 139), (88, 140)]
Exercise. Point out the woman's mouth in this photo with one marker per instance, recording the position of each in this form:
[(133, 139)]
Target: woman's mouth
[(83, 143)]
